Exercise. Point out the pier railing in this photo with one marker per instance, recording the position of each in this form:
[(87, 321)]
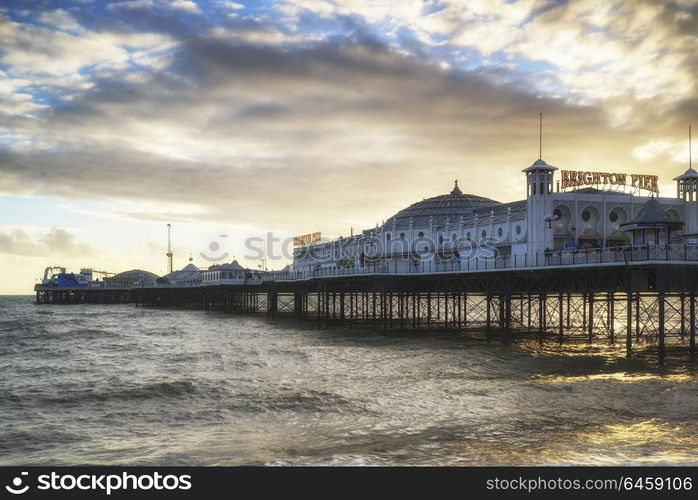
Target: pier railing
[(433, 265), (481, 262)]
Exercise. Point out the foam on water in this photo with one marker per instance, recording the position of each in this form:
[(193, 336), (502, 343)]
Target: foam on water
[(123, 385)]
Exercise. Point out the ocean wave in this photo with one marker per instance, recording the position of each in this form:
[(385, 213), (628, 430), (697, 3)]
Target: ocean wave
[(175, 389), (309, 401)]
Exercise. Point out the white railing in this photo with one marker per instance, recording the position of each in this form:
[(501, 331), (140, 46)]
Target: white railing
[(615, 255), (550, 259)]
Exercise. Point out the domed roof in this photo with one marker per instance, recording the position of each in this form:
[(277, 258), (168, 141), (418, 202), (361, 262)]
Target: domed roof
[(688, 174), (134, 275), (446, 206), (539, 164)]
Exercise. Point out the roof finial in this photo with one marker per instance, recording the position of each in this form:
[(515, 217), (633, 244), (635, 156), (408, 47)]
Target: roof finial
[(456, 189)]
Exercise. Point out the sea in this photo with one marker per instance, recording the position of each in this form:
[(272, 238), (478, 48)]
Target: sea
[(120, 385)]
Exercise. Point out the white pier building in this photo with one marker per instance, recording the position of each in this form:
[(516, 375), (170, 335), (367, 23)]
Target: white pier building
[(561, 220)]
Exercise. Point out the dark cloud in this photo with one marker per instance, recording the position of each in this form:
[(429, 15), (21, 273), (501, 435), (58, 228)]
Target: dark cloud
[(329, 121)]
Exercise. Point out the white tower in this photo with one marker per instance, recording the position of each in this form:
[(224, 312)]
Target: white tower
[(539, 202), (687, 190)]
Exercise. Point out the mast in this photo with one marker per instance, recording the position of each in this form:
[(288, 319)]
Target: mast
[(169, 250), (540, 138)]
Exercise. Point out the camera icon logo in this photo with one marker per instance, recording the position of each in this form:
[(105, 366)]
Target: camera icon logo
[(16, 489), (215, 246)]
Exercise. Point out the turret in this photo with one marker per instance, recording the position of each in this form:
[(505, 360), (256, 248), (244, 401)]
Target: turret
[(539, 183), (687, 190)]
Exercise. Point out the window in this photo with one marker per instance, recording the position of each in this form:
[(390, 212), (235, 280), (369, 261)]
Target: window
[(387, 236), (468, 236), (500, 232), (454, 237), (557, 214), (586, 215), (534, 188), (518, 229), (484, 233), (613, 216), (402, 236), (441, 238), (421, 234)]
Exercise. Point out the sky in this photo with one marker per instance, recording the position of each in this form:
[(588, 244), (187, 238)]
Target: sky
[(234, 120)]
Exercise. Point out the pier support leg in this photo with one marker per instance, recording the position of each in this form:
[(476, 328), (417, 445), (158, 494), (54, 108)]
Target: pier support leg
[(272, 304), (488, 327), (611, 309), (528, 304), (590, 323), (541, 318), (662, 348), (428, 309), (683, 316), (637, 317), (341, 308), (692, 326), (507, 319), (629, 326), (561, 325), (373, 311), (319, 309)]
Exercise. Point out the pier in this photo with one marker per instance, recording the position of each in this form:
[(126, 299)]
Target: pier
[(638, 302)]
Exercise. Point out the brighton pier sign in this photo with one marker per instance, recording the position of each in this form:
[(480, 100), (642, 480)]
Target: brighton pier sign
[(577, 178)]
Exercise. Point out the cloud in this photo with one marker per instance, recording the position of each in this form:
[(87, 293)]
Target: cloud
[(271, 124), (185, 5), (601, 51), (269, 136), (56, 241), (50, 58)]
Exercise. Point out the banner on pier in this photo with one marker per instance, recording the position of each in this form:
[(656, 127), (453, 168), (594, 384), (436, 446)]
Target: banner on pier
[(306, 239)]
